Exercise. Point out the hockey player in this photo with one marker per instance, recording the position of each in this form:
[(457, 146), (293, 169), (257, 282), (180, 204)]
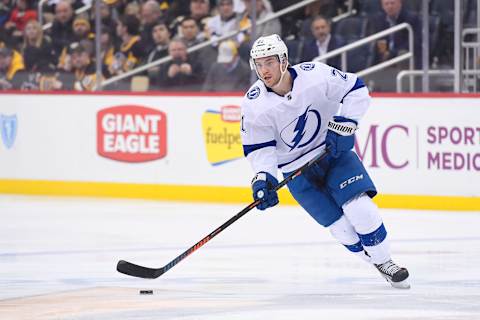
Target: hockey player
[(292, 115)]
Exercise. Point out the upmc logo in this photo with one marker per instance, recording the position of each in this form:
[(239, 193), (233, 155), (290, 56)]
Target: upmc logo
[(131, 133), (379, 141)]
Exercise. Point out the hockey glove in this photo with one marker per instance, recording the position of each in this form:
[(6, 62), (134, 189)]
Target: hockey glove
[(263, 186), (340, 135)]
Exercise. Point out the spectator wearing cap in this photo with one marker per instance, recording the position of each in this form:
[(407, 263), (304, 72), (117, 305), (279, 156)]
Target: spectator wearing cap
[(323, 41), (83, 67), (61, 31), (225, 22), (130, 52), (11, 62), (81, 31), (229, 73), (150, 15), (182, 73), (37, 50)]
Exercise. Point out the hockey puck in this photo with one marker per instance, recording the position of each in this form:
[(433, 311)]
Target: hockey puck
[(146, 291)]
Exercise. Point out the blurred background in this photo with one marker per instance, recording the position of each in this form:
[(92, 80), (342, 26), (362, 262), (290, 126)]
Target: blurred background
[(196, 45)]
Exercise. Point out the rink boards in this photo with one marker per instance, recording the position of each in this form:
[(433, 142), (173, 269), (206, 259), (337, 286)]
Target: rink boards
[(422, 151)]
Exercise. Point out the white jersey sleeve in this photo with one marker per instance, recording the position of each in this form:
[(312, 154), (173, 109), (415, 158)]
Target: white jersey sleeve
[(258, 137), (348, 89)]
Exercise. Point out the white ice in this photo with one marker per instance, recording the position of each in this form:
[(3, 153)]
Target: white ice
[(58, 259)]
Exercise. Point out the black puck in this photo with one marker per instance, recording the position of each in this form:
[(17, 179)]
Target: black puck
[(146, 291)]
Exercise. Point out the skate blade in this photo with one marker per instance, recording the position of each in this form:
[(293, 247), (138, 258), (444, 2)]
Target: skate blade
[(398, 285), (401, 284)]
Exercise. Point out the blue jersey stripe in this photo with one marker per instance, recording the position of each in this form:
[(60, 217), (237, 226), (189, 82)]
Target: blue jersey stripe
[(249, 148), (358, 84), (284, 164)]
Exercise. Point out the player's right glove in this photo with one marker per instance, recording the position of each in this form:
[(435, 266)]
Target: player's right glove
[(263, 186), (340, 135)]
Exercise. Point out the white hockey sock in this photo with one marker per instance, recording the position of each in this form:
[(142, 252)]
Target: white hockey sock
[(343, 231), (364, 217)]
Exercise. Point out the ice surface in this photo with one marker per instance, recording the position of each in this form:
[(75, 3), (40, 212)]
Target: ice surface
[(58, 258)]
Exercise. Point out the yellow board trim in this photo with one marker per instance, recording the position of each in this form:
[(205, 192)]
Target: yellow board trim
[(212, 194)]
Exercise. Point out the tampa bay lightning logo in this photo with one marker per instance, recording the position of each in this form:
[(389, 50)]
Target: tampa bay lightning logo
[(254, 93), (307, 66), (8, 128), (303, 130)]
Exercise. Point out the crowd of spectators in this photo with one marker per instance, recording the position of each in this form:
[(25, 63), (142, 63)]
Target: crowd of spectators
[(59, 54)]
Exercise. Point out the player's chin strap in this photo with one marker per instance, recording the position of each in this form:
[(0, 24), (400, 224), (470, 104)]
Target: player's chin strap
[(282, 72)]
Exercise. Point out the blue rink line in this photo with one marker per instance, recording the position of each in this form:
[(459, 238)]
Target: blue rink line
[(218, 247)]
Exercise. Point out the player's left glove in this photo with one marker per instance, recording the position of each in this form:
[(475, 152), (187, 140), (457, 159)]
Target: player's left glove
[(263, 186), (340, 135)]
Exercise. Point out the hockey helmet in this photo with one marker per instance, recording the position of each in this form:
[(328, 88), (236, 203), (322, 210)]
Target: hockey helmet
[(267, 46)]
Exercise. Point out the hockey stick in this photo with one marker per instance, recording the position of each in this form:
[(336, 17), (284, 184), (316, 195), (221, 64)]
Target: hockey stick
[(135, 270)]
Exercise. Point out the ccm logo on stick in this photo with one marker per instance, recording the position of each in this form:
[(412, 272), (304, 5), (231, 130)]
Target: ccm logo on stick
[(350, 181), (131, 133)]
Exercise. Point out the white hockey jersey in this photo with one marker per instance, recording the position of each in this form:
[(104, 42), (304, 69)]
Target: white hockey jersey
[(286, 132)]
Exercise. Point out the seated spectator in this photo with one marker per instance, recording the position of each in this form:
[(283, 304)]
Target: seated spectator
[(61, 31), (200, 12), (107, 20), (225, 22), (263, 10), (5, 9), (325, 8), (83, 67), (161, 39), (323, 41), (396, 43), (132, 9), (107, 51), (37, 49), (182, 73), (190, 32), (19, 16), (11, 62), (81, 31), (150, 15), (229, 73), (191, 36), (130, 52)]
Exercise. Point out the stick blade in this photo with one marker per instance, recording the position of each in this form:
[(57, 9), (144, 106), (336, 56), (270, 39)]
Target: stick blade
[(135, 270)]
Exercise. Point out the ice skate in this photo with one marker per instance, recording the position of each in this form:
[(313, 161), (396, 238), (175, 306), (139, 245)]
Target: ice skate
[(395, 275)]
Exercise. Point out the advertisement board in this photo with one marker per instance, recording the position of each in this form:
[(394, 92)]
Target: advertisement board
[(420, 151)]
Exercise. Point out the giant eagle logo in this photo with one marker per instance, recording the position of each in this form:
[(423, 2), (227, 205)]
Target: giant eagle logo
[(303, 130)]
